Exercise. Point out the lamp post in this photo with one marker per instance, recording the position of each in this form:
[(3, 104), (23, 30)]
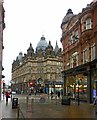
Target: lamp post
[(64, 84), (12, 82), (78, 93)]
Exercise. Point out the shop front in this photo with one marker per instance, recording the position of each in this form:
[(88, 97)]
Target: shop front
[(81, 81)]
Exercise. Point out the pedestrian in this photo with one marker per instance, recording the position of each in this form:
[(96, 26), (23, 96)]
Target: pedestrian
[(7, 96), (95, 103), (58, 94), (35, 92), (52, 94)]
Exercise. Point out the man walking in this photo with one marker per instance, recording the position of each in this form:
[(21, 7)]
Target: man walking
[(59, 94)]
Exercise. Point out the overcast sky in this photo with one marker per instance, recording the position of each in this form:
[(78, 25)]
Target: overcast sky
[(27, 20)]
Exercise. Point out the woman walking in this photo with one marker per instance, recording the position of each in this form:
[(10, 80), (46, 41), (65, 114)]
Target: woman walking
[(7, 96)]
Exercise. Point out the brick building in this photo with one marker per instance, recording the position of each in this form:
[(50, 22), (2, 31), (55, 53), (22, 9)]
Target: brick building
[(79, 41), (2, 26)]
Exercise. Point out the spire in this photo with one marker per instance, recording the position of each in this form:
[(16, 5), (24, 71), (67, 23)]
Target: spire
[(56, 47), (49, 46), (56, 43)]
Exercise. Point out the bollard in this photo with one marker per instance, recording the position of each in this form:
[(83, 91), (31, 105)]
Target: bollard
[(56, 99), (18, 111), (96, 109), (32, 104), (27, 99)]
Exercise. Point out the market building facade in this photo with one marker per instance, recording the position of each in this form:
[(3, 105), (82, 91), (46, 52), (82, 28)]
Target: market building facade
[(38, 70), (79, 41)]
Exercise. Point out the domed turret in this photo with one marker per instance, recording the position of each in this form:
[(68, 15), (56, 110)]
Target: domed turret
[(68, 16), (42, 44), (30, 49)]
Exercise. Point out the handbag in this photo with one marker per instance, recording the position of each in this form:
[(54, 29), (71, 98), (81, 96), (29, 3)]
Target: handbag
[(9, 96)]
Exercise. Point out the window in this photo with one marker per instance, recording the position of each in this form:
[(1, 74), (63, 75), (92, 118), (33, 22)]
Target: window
[(71, 62), (88, 23), (93, 52), (85, 59), (74, 60), (71, 39), (76, 35)]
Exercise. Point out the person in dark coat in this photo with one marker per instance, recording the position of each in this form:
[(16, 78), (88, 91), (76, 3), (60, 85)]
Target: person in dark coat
[(52, 94), (58, 94)]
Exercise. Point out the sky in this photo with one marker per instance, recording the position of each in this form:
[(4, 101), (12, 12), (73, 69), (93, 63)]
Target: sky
[(27, 20)]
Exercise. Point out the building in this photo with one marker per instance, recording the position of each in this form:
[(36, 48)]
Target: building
[(38, 70), (79, 41), (2, 26)]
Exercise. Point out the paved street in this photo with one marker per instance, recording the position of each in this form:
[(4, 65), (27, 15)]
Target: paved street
[(45, 109)]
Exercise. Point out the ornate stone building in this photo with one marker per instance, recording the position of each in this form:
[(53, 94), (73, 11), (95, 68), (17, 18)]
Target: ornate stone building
[(2, 26), (38, 70), (79, 41)]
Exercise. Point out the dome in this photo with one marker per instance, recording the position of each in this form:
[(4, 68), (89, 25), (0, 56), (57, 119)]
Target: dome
[(42, 44), (68, 16)]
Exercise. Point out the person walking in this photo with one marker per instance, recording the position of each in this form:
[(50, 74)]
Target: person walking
[(52, 94), (95, 103), (59, 94), (7, 96)]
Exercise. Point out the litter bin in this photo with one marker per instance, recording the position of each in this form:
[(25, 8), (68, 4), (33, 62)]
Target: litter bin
[(14, 102), (65, 100)]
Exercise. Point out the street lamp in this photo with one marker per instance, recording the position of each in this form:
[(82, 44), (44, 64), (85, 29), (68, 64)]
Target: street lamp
[(64, 84), (78, 93)]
